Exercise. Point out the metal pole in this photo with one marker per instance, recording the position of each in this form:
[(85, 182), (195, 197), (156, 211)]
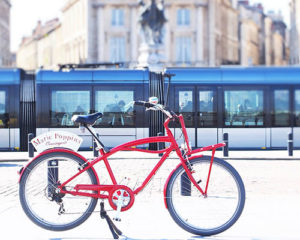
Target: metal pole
[(225, 148), (185, 182), (52, 176), (95, 147), (160, 145), (290, 144), (30, 146)]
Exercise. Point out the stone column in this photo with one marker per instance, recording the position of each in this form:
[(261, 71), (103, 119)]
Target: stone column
[(168, 47), (89, 30), (133, 33), (100, 32), (211, 33), (200, 35)]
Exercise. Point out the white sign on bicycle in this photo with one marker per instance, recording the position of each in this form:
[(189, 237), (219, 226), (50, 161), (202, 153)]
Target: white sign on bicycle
[(56, 139)]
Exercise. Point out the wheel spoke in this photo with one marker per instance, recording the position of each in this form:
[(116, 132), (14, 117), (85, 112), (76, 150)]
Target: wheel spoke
[(41, 199)]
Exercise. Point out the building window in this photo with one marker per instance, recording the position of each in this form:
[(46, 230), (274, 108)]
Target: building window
[(183, 17), (186, 107), (65, 104), (117, 49), (207, 109), (244, 108), (281, 108), (4, 117), (183, 49), (297, 107), (117, 17)]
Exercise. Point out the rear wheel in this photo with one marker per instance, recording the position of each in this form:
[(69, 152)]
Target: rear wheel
[(206, 215), (41, 200)]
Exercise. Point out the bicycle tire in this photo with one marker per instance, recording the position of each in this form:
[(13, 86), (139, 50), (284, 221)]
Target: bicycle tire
[(196, 214), (36, 193)]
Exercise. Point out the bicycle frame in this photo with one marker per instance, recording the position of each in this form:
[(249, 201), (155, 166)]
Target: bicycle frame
[(130, 146), (49, 177)]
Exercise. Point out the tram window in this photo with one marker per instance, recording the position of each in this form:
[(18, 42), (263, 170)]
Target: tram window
[(297, 107), (116, 108), (244, 108), (206, 111), (186, 107), (4, 119), (281, 116), (65, 104)]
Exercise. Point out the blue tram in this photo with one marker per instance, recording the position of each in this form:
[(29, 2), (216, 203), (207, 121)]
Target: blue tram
[(256, 106), (62, 94), (10, 80)]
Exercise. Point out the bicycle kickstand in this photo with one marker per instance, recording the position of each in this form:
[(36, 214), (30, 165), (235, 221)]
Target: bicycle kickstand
[(114, 230)]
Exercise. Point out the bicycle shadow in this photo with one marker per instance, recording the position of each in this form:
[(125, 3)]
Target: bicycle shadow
[(10, 165), (188, 238), (129, 238)]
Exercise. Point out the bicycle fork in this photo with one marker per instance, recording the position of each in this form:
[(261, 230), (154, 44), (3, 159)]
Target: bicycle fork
[(187, 177)]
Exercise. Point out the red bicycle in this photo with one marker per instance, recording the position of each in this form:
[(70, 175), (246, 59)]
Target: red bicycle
[(59, 188)]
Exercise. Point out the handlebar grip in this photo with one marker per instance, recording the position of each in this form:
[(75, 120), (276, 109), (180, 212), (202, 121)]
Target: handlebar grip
[(139, 103), (173, 114), (145, 104)]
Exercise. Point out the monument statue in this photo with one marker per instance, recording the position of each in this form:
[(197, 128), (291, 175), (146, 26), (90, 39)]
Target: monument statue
[(152, 20)]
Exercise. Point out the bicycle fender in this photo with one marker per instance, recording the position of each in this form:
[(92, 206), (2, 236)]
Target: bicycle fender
[(166, 184), (64, 150)]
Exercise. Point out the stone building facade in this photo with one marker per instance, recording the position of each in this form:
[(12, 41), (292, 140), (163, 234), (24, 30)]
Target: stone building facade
[(5, 55), (294, 32), (197, 33), (41, 49), (262, 36), (192, 32)]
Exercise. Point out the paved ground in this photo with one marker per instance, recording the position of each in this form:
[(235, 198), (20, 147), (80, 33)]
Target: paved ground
[(271, 212)]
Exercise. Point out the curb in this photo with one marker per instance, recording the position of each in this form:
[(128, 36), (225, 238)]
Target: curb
[(262, 159)]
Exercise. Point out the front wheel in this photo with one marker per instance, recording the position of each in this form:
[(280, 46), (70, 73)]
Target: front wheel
[(212, 214), (40, 197)]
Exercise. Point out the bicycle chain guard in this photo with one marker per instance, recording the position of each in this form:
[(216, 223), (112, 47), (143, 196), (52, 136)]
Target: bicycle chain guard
[(122, 196)]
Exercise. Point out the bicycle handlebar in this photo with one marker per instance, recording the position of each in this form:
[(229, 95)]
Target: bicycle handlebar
[(170, 114), (143, 103)]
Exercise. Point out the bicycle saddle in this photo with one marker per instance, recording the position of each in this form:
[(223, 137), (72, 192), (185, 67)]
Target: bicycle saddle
[(87, 119)]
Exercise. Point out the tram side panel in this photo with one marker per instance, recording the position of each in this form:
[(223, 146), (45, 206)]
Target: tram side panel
[(253, 105), (296, 117), (14, 122), (57, 103), (9, 108)]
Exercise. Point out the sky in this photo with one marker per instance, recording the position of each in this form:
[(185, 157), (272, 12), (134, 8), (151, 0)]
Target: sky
[(276, 5), (26, 13)]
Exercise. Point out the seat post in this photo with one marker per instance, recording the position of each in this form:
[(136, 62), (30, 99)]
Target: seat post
[(100, 145)]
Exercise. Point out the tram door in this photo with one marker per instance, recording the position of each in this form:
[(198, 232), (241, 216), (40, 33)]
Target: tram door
[(207, 132), (4, 121), (185, 105), (297, 118), (281, 117)]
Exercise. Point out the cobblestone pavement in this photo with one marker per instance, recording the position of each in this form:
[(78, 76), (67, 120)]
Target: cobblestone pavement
[(272, 207), (8, 186)]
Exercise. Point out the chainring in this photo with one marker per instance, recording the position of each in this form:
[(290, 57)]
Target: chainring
[(126, 195)]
